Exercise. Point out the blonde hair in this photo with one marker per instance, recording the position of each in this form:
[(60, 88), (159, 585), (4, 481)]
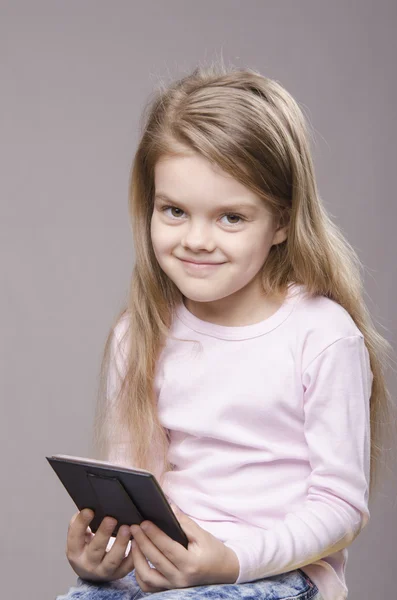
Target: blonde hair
[(252, 128)]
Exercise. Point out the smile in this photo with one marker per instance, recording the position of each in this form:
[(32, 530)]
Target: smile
[(201, 266)]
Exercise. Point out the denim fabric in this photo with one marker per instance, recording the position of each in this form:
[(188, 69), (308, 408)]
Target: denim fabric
[(294, 585)]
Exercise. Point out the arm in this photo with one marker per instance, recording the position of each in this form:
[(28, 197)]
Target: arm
[(337, 388)]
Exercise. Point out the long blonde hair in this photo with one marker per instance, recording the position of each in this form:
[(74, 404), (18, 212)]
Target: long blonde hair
[(252, 128)]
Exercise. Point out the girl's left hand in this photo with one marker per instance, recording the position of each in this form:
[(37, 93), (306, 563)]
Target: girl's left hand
[(206, 561)]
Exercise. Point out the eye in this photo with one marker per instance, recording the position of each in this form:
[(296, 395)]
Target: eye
[(234, 216), (173, 208), (176, 213)]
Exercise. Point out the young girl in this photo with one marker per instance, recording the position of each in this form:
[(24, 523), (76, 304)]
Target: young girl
[(245, 373)]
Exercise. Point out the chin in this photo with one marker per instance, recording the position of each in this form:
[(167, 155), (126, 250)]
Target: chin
[(199, 297), (194, 296)]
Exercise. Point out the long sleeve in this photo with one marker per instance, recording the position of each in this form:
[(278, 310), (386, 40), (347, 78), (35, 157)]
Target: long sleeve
[(337, 387)]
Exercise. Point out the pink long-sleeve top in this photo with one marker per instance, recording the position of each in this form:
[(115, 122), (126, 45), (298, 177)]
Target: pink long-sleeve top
[(270, 435)]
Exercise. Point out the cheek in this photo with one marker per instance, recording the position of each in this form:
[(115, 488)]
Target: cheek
[(162, 239), (254, 254), (246, 247), (156, 233)]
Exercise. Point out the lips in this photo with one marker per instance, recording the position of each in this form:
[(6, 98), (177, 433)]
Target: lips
[(194, 262)]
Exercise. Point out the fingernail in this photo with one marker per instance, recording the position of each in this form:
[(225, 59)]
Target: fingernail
[(111, 523)]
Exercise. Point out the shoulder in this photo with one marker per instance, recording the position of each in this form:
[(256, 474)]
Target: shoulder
[(320, 322), (323, 315)]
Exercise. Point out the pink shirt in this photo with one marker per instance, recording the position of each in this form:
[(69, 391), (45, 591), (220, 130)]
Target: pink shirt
[(270, 435)]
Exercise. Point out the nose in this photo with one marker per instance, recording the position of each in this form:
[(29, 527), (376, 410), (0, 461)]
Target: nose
[(197, 236)]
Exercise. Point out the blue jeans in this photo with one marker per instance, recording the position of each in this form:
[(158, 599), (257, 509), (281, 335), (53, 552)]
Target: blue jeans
[(294, 585)]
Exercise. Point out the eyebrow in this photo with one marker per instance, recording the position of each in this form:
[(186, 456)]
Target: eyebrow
[(230, 206)]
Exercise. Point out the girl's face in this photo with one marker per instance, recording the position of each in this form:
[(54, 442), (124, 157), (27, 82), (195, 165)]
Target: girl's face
[(203, 215)]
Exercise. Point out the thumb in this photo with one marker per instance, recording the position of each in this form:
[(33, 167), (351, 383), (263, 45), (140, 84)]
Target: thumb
[(183, 519), (192, 530), (177, 512)]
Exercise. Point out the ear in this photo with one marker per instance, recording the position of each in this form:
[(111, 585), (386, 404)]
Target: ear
[(281, 230), (280, 235)]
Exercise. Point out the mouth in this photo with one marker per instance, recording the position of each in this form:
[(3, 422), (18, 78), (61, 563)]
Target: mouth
[(199, 266)]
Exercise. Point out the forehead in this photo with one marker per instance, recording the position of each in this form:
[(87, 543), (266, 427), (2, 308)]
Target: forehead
[(193, 178)]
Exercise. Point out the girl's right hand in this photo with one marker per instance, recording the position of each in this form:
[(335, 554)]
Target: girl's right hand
[(86, 551)]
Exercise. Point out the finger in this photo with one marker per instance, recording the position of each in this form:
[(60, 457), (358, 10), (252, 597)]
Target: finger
[(96, 549), (76, 538), (116, 561), (190, 527), (149, 579), (150, 550), (126, 565), (193, 531), (72, 520), (88, 536), (175, 509), (146, 587), (176, 554)]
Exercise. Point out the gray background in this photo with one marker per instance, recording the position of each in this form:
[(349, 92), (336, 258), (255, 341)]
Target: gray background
[(74, 78)]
